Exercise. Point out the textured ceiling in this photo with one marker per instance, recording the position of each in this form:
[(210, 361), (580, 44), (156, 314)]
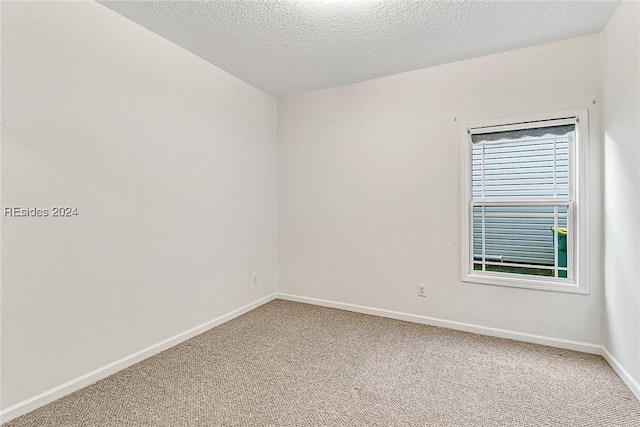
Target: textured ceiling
[(286, 47)]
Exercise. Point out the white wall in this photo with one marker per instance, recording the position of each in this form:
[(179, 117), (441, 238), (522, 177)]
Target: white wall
[(171, 163), (369, 191), (621, 93)]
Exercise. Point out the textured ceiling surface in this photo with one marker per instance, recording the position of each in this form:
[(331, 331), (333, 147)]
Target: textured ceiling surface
[(286, 47)]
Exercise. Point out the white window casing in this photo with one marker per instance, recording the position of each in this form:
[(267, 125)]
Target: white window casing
[(524, 182)]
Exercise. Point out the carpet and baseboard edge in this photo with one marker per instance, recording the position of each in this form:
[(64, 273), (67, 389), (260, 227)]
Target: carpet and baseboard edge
[(55, 393), (583, 347), (32, 403), (631, 383)]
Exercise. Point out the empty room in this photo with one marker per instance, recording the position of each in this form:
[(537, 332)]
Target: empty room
[(320, 213)]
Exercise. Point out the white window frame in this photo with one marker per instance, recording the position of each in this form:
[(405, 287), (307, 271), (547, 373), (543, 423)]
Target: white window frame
[(579, 215)]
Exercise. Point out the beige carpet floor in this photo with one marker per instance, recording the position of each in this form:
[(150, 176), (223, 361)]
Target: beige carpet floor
[(291, 364)]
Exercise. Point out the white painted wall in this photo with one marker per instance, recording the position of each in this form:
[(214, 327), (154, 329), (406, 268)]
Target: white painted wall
[(369, 191), (621, 94), (171, 163)]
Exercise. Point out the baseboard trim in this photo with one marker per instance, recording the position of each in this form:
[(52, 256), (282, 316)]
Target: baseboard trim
[(55, 393), (460, 326), (622, 372)]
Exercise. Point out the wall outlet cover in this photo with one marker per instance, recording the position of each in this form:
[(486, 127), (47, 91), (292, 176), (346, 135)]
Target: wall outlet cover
[(422, 290)]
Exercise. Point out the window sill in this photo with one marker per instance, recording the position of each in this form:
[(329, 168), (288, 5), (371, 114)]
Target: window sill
[(547, 284)]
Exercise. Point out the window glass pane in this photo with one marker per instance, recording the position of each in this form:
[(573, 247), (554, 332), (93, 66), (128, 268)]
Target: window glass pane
[(520, 270), (520, 239)]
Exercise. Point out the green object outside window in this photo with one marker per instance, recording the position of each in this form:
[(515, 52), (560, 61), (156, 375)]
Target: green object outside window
[(562, 249)]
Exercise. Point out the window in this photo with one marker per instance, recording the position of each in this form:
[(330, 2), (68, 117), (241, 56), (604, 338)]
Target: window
[(524, 203)]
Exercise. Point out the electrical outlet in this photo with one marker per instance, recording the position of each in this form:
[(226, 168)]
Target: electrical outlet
[(422, 290), (255, 279)]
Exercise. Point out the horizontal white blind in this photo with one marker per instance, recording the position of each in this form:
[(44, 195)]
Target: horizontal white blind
[(530, 168)]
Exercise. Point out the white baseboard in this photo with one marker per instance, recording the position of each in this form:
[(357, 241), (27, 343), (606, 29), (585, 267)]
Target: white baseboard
[(467, 327), (622, 373), (55, 393)]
